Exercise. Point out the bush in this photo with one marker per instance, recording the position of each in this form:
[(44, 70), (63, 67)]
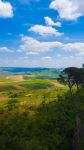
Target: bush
[(12, 103)]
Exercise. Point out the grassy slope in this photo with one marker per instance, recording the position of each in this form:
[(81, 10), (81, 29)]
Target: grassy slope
[(50, 126), (31, 90), (41, 119)]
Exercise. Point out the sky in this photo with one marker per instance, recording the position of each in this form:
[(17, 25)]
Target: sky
[(41, 33)]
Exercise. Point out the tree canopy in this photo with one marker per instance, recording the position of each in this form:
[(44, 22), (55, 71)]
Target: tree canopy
[(72, 76)]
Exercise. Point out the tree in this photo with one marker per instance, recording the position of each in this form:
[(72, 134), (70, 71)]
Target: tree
[(67, 77), (83, 65), (72, 76), (78, 76)]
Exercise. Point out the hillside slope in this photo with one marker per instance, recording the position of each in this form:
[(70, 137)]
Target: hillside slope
[(56, 125)]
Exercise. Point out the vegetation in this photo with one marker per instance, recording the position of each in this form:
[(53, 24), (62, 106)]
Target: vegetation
[(41, 114), (72, 76)]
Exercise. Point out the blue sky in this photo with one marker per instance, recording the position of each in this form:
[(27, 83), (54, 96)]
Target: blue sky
[(41, 33)]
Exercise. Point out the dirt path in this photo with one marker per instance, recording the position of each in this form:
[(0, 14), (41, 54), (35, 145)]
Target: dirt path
[(57, 85)]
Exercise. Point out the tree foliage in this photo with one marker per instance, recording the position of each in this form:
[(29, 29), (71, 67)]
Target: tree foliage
[(72, 76)]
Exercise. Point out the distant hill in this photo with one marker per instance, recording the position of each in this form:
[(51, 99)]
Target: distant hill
[(18, 70), (26, 70), (51, 73)]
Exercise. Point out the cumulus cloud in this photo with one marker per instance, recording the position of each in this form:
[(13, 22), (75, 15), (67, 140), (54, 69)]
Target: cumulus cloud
[(6, 10), (5, 49), (77, 46), (45, 30), (32, 45), (50, 22), (32, 53), (68, 9)]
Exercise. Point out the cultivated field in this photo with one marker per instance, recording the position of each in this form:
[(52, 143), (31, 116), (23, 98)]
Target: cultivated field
[(29, 91)]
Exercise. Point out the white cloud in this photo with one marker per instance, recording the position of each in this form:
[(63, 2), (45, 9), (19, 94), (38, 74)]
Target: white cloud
[(81, 54), (31, 45), (5, 49), (32, 53), (6, 10), (50, 22), (68, 9), (45, 30), (57, 54), (47, 58), (77, 46)]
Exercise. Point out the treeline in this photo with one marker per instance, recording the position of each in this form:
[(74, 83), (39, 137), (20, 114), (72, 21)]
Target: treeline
[(72, 76)]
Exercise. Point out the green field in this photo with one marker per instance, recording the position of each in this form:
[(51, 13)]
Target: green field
[(39, 114), (29, 90)]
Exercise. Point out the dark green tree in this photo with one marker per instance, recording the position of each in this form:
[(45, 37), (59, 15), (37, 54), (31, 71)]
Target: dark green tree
[(83, 65), (72, 76), (66, 77)]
